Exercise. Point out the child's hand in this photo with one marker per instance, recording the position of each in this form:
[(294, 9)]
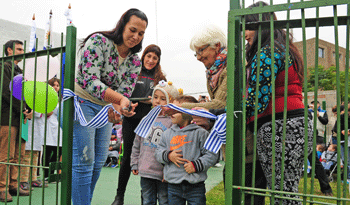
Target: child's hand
[(176, 158), (135, 172), (324, 160), (189, 168)]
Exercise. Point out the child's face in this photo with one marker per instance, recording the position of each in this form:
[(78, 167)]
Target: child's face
[(177, 117), (159, 98), (56, 86), (331, 148)]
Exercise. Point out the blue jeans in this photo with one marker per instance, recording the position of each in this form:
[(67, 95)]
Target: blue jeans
[(153, 189), (194, 194), (90, 149), (343, 157)]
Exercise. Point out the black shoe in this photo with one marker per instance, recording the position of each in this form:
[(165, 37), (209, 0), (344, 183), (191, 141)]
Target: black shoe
[(119, 200)]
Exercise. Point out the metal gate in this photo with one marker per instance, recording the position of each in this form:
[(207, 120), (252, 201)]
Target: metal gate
[(236, 123), (63, 169)]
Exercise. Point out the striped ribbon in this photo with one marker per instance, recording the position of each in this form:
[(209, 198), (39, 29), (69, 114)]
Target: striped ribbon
[(213, 143), (100, 120)]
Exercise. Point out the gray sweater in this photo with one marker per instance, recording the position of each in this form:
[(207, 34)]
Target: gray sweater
[(190, 140), (142, 155)]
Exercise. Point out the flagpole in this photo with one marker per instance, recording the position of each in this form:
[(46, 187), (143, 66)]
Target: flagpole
[(48, 32), (32, 40)]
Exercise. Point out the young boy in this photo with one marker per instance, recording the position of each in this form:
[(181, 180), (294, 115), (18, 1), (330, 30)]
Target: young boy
[(185, 160)]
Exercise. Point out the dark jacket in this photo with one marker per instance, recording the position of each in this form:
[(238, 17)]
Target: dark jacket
[(144, 88), (6, 96)]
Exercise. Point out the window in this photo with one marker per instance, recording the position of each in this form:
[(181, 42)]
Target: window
[(321, 52), (340, 56)]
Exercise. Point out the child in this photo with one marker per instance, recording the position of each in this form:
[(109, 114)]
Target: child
[(329, 157), (143, 161), (113, 150), (320, 149), (186, 161)]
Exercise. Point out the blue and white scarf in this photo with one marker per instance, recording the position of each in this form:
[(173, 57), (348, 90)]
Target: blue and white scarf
[(216, 138)]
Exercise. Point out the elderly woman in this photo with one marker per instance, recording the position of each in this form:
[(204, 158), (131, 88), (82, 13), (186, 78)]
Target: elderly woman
[(209, 46)]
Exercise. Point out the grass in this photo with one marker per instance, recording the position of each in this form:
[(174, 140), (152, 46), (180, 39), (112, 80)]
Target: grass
[(216, 196)]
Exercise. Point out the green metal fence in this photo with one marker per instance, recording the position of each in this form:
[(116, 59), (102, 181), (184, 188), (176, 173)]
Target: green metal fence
[(236, 124), (63, 168)]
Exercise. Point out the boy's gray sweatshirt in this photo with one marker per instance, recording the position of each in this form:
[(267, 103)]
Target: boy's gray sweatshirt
[(190, 140), (143, 149)]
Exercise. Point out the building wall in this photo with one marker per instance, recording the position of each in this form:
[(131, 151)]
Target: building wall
[(329, 53)]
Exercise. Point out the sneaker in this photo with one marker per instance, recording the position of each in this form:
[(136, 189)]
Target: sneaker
[(114, 165), (217, 165), (347, 181), (25, 186), (38, 183)]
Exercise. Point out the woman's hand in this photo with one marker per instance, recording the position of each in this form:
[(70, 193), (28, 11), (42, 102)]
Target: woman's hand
[(126, 107), (201, 121)]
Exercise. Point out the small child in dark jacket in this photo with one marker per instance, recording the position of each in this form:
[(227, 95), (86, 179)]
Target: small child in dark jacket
[(185, 160)]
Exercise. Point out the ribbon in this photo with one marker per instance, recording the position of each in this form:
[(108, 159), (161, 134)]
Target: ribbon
[(216, 138), (100, 120)]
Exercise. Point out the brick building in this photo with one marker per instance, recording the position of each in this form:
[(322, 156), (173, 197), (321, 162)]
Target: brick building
[(326, 53)]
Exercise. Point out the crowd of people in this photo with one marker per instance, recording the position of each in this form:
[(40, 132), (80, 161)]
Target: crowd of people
[(36, 146), (171, 161)]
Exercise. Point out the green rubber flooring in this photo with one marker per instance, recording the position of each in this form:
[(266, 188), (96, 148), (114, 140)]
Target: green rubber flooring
[(106, 189)]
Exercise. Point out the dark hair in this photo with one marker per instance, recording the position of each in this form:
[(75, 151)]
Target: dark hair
[(117, 33), (158, 74), (53, 80), (280, 37), (10, 44)]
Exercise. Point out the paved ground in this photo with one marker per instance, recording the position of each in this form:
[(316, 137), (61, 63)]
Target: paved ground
[(106, 189)]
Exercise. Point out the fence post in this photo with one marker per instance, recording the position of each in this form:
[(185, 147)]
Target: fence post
[(68, 111), (234, 103)]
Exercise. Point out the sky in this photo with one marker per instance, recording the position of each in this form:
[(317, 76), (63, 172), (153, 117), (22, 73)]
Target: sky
[(171, 26)]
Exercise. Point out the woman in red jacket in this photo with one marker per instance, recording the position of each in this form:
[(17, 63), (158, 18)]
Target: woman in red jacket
[(295, 140)]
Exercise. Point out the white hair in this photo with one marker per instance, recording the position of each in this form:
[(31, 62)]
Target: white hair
[(210, 34)]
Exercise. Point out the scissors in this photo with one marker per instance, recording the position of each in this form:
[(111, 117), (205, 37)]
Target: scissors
[(128, 108)]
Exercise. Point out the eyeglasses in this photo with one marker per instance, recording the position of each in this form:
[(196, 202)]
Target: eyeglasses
[(200, 51)]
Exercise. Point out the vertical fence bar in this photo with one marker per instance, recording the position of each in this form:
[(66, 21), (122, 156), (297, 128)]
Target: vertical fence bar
[(233, 135), (315, 104), (305, 103), (66, 186), (346, 101), (336, 42)]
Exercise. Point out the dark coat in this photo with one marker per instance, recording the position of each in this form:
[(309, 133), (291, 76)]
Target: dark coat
[(6, 96)]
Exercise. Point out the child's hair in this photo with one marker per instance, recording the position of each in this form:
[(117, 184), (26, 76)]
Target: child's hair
[(53, 80), (320, 148), (334, 146), (169, 90), (186, 99)]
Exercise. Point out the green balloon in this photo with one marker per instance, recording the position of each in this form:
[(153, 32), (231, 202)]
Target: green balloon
[(40, 96)]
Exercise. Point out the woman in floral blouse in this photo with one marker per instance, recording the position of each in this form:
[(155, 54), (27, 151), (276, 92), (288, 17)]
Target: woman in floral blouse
[(107, 73), (295, 134)]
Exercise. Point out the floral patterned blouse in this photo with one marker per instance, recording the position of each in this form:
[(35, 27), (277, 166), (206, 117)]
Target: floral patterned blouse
[(98, 68)]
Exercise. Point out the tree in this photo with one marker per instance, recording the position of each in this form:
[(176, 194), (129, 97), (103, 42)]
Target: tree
[(327, 80)]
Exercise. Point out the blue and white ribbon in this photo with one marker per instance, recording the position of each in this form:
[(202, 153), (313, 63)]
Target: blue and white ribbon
[(217, 136), (100, 120), (214, 141)]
